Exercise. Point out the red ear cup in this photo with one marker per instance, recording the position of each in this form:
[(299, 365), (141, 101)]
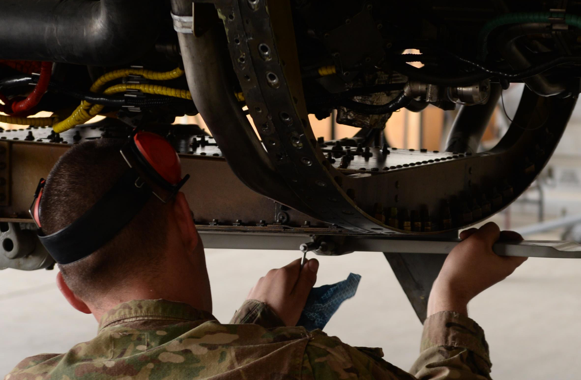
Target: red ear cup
[(35, 209), (159, 153)]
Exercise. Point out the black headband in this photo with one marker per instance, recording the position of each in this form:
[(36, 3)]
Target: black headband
[(100, 223)]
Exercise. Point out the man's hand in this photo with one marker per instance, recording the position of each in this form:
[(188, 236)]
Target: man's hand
[(471, 268), (286, 289)]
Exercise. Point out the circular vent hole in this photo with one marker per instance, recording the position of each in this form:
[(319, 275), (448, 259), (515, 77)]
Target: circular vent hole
[(8, 245)]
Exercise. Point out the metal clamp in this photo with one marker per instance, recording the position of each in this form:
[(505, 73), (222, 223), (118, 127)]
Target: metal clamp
[(183, 24)]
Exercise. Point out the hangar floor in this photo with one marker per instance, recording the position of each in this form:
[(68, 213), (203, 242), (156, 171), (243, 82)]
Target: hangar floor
[(531, 319)]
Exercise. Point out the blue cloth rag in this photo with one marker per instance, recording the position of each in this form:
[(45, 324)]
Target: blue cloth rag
[(324, 301)]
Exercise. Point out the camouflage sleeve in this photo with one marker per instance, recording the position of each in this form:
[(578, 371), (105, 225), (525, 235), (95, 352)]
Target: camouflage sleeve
[(258, 313), (453, 347), (328, 358)]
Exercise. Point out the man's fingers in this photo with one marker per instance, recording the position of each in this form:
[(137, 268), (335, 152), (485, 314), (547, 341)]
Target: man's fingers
[(488, 233), (510, 236), (467, 233), (516, 261), (307, 278)]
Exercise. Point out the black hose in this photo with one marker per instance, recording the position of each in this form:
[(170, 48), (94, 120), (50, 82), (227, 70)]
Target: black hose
[(15, 81), (91, 97), (400, 101), (97, 33), (440, 79), (104, 100), (417, 106), (486, 72)]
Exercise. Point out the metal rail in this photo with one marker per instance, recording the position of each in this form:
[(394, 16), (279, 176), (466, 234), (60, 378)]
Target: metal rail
[(292, 241)]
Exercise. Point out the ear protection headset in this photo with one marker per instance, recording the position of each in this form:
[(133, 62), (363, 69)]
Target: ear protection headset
[(153, 169)]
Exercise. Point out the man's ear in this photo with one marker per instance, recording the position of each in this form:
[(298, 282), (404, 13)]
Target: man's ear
[(75, 301), (185, 222)]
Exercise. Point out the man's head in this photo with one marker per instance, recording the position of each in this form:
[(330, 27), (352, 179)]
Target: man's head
[(138, 257)]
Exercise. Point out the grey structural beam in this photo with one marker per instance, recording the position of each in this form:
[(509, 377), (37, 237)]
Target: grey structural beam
[(550, 225), (348, 244)]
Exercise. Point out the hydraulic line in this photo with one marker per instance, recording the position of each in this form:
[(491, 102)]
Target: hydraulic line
[(86, 111), (521, 18), (34, 97), (34, 121), (518, 75), (91, 97), (400, 101), (15, 81), (147, 74), (446, 80)]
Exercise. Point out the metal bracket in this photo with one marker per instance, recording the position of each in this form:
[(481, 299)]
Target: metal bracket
[(183, 24)]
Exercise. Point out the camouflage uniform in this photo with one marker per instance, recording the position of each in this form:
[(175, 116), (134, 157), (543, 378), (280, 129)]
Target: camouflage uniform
[(157, 339)]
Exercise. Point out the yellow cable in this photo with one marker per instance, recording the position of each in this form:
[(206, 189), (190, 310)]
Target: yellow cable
[(147, 74), (150, 89), (239, 96), (34, 121), (86, 111), (327, 70)]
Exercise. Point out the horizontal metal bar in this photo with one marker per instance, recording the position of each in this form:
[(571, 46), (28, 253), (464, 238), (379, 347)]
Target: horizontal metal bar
[(292, 241), (550, 225)]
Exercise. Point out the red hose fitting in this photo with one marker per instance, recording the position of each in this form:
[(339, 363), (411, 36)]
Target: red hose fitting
[(34, 97)]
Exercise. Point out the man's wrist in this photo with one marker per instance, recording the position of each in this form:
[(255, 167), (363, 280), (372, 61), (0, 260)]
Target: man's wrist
[(444, 298)]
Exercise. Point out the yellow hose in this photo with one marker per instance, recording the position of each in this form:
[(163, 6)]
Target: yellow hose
[(327, 70), (147, 74), (150, 89), (34, 121), (86, 111)]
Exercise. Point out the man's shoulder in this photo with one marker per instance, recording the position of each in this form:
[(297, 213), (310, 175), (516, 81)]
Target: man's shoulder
[(329, 357), (37, 365)]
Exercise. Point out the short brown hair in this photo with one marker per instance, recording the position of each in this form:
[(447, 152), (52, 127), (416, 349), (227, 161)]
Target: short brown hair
[(77, 181)]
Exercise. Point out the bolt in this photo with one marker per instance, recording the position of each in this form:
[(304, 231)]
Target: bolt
[(345, 162), (416, 222), (282, 217), (393, 220), (330, 158), (426, 222), (367, 153)]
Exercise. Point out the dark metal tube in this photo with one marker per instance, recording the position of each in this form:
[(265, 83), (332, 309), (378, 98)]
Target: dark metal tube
[(471, 122), (99, 33), (209, 71), (539, 83)]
